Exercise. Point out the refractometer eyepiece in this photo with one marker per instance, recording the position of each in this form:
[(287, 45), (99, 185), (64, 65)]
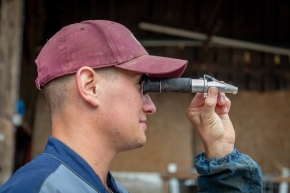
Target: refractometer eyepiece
[(185, 85)]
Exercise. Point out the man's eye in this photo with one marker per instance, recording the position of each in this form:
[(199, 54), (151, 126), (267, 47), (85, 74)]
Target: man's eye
[(141, 83)]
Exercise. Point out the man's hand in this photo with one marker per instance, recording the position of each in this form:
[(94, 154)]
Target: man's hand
[(210, 117)]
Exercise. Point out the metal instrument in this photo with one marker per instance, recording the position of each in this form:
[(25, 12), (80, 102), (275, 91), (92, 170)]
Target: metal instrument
[(185, 85)]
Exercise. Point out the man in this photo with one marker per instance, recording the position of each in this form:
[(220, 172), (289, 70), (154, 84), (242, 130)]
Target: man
[(91, 73)]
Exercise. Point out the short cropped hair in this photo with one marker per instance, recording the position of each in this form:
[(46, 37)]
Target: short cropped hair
[(56, 90)]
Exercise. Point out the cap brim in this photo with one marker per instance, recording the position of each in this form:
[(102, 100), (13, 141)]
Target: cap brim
[(156, 66)]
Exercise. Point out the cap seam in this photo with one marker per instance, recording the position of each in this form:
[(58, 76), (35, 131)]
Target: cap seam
[(133, 58), (64, 59), (103, 28)]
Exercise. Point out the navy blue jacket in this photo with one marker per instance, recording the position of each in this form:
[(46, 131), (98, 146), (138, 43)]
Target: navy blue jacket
[(235, 172), (58, 169)]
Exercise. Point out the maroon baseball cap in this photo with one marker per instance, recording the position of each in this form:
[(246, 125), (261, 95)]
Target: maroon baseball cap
[(97, 44)]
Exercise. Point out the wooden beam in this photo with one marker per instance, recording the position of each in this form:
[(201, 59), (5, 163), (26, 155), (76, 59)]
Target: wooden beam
[(215, 39), (10, 57)]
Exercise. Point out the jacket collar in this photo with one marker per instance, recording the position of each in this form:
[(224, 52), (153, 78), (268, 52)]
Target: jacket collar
[(78, 165)]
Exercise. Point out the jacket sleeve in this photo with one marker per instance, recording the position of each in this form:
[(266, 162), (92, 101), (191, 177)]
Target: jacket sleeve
[(235, 172)]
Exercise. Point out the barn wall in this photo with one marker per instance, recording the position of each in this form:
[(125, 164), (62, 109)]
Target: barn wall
[(261, 122), (42, 125), (259, 111)]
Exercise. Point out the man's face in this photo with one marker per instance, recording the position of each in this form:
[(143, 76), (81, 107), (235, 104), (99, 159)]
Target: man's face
[(124, 108)]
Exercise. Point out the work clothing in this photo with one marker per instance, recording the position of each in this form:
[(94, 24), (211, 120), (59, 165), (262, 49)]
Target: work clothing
[(235, 172), (61, 170), (58, 170)]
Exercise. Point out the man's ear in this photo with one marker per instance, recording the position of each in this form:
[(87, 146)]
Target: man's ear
[(87, 84)]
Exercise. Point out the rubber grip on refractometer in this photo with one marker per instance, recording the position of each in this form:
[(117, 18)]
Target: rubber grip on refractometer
[(177, 85)]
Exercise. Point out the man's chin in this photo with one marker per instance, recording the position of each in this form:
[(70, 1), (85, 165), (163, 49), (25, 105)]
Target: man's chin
[(135, 145), (140, 145)]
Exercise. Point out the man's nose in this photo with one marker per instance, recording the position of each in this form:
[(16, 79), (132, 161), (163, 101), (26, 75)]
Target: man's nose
[(148, 105)]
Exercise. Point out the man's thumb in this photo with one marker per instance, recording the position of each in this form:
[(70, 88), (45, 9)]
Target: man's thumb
[(210, 102)]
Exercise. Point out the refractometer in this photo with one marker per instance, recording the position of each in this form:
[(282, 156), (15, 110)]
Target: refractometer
[(185, 85)]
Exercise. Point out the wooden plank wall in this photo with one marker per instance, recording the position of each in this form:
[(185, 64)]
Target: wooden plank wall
[(10, 53), (32, 39)]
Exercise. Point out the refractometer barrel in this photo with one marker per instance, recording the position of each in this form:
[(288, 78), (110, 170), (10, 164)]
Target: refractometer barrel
[(185, 85)]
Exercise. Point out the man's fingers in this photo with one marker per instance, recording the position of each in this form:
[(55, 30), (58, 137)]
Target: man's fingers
[(221, 99), (195, 108), (223, 109), (224, 104), (197, 101), (215, 103), (210, 102)]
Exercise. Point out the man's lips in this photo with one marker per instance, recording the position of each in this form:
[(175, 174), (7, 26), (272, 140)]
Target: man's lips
[(143, 122)]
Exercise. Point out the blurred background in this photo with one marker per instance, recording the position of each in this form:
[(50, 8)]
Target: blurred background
[(244, 43)]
